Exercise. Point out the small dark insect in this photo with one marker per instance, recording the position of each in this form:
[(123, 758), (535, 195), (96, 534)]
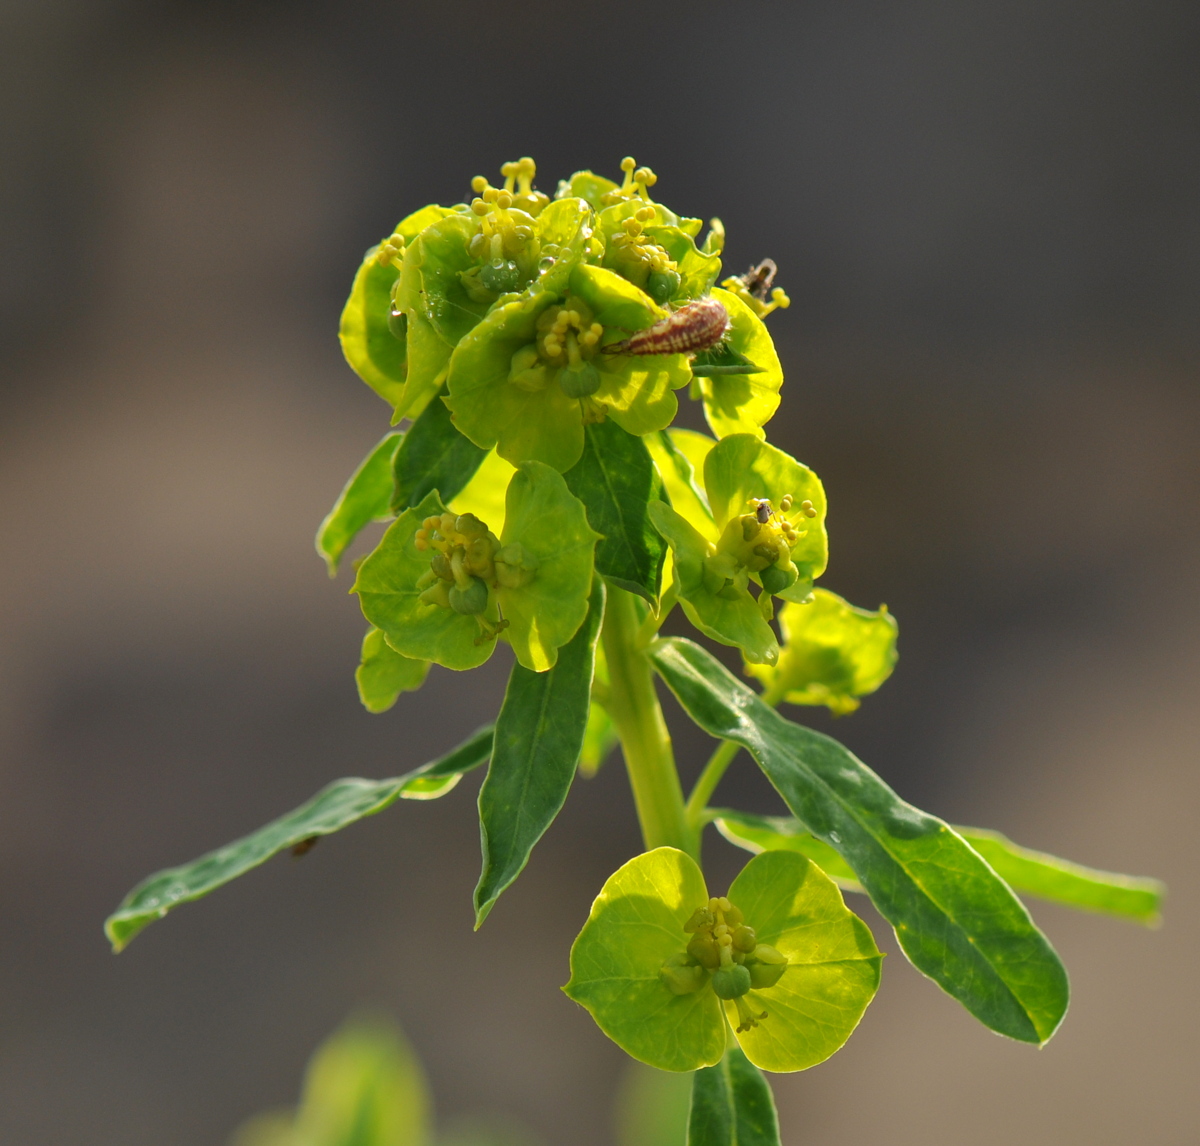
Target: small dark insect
[(699, 325), (305, 846), (757, 280), (763, 512)]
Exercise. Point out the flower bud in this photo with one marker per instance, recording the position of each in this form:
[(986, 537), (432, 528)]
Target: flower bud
[(662, 285), (744, 939)]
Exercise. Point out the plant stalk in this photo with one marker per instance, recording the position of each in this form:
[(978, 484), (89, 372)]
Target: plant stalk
[(645, 742), (718, 762)]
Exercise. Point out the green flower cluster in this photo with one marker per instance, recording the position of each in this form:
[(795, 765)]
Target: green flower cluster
[(511, 301)]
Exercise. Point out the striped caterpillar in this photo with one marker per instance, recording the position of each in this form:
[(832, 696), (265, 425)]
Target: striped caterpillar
[(699, 325)]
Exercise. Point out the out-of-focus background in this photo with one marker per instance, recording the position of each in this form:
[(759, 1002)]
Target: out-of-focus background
[(988, 217)]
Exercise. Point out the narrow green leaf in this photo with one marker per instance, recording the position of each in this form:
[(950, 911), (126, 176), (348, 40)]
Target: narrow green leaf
[(367, 497), (1061, 881), (955, 919), (336, 806), (732, 1105), (433, 455), (1032, 873), (383, 674), (539, 733), (616, 479)]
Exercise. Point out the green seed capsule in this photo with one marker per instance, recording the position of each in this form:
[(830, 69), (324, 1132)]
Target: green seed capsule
[(731, 982), (662, 285), (775, 580), (470, 601), (579, 381)]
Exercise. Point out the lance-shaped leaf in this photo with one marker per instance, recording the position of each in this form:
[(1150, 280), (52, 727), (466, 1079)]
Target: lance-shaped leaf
[(433, 455), (366, 497), (956, 920), (1030, 872), (732, 1105), (374, 347), (539, 734), (1061, 881), (336, 806), (833, 653), (616, 480), (383, 674)]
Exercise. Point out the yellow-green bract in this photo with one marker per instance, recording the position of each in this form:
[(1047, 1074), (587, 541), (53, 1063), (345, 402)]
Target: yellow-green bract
[(833, 653), (710, 578), (543, 517), (637, 924)]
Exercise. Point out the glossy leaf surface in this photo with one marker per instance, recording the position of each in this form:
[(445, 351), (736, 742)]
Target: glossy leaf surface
[(1030, 872), (433, 456), (366, 497), (955, 919), (336, 806), (832, 653), (616, 480), (732, 1105), (383, 674), (539, 734), (1061, 881)]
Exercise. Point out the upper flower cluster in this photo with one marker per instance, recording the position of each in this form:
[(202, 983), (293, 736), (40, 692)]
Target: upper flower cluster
[(539, 316)]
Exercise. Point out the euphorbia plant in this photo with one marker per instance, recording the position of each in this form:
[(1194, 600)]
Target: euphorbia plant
[(539, 497)]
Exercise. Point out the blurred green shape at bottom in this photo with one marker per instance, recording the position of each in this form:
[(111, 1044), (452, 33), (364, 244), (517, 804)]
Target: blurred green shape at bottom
[(364, 1087)]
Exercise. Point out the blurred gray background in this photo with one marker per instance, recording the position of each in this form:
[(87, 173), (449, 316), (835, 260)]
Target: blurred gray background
[(988, 218)]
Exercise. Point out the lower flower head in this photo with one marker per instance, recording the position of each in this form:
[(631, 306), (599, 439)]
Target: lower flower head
[(666, 970)]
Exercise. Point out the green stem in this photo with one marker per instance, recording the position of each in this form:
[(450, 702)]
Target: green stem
[(633, 705), (718, 762)]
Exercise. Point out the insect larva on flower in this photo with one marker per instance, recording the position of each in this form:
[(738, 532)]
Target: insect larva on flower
[(699, 325)]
